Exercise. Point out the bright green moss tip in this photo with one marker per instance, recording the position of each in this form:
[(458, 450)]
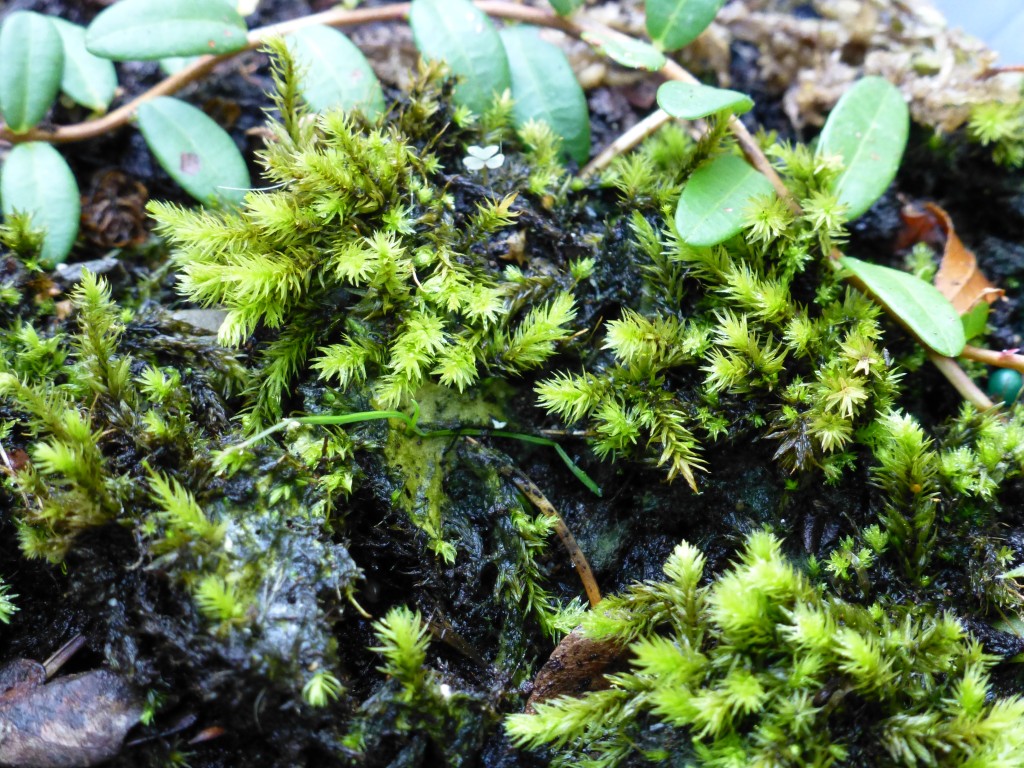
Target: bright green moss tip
[(759, 668)]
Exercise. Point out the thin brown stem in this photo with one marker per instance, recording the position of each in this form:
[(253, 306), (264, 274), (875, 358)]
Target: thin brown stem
[(994, 358), (1003, 70), (625, 142), (579, 561), (338, 17), (963, 383), (530, 490)]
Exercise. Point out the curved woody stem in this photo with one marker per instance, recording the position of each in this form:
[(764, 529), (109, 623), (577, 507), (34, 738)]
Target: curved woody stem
[(342, 17), (1006, 359)]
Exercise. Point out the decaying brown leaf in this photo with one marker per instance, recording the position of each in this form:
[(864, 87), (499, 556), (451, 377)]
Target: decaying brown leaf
[(70, 722), (114, 210), (959, 279), (577, 665)]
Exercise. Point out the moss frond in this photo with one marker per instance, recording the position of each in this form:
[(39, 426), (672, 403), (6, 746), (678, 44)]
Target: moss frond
[(404, 640), (758, 668)]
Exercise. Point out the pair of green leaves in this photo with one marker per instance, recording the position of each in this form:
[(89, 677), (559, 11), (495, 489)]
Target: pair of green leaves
[(712, 206), (40, 55), (536, 73), (868, 130)]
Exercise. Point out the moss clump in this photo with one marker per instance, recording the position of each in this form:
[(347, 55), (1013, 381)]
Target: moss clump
[(760, 669), (121, 442), (1000, 125), (361, 266), (753, 337)]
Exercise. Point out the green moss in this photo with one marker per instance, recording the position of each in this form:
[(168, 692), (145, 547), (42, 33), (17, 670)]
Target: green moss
[(720, 331), (1001, 126), (358, 231), (760, 669), (420, 464), (371, 276)]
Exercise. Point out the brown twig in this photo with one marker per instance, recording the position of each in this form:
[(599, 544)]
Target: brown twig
[(1003, 70), (625, 142), (994, 358), (530, 490)]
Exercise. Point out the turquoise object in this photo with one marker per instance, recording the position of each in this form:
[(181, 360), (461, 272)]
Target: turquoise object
[(1005, 385)]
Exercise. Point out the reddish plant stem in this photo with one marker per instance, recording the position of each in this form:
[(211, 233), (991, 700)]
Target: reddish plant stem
[(994, 358), (1003, 70)]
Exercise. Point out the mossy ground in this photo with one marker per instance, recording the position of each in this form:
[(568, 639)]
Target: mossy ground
[(430, 522)]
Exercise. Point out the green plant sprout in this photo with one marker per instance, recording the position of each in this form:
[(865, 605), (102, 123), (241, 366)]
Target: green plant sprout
[(321, 689), (7, 605)]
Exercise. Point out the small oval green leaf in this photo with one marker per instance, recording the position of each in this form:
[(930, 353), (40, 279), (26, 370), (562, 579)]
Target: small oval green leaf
[(334, 72), (154, 29), (565, 7), (194, 150), (918, 305), (868, 128), (625, 50), (690, 101), (456, 32), (31, 62), (673, 24), (89, 80), (712, 206), (36, 180), (544, 87), (975, 320)]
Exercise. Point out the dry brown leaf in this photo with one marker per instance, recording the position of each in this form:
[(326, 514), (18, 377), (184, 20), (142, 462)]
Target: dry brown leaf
[(959, 279), (69, 722), (577, 665)]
